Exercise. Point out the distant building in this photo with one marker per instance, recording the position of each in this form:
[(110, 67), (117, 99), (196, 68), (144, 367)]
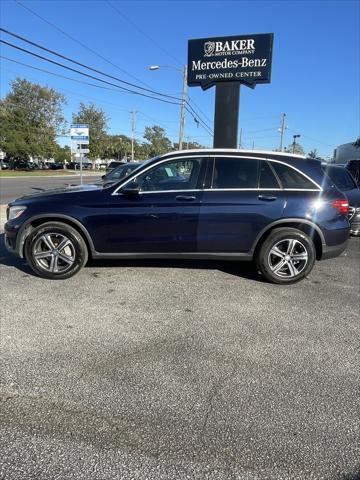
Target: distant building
[(344, 153)]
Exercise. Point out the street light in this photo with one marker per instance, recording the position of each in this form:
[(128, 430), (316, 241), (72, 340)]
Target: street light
[(183, 72), (294, 142)]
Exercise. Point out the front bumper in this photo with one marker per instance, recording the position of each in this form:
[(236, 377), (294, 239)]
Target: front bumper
[(14, 241)]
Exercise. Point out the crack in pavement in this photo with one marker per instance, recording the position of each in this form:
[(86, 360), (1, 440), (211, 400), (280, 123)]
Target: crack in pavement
[(215, 390)]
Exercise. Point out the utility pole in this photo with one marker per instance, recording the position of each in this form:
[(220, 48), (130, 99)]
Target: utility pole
[(183, 105), (282, 130), (240, 138), (133, 126), (253, 145)]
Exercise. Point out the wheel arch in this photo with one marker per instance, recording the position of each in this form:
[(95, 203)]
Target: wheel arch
[(38, 220), (305, 226)]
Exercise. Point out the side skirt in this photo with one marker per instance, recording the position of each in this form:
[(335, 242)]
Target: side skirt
[(245, 257)]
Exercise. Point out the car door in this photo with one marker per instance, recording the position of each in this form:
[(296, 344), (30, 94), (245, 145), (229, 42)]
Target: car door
[(163, 216), (242, 197)]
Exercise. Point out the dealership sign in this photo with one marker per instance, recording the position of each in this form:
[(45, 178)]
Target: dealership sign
[(242, 58), (79, 133)]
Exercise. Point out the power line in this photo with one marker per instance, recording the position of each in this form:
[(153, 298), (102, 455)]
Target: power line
[(142, 32), (86, 74), (59, 75), (94, 70), (198, 119), (85, 83), (77, 41), (313, 139), (73, 94), (192, 113), (53, 52), (197, 106)]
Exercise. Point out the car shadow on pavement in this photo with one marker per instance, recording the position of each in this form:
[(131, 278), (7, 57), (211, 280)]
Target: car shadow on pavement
[(245, 270)]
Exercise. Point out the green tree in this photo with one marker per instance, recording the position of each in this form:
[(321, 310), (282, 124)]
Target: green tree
[(116, 146), (96, 119), (158, 141), (313, 153), (62, 154), (188, 145), (143, 151), (295, 148), (30, 119), (357, 143)]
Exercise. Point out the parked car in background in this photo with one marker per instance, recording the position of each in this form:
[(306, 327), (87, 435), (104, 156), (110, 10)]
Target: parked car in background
[(55, 166), (22, 165), (354, 168), (4, 165), (114, 164), (279, 210), (119, 172), (76, 165), (344, 181)]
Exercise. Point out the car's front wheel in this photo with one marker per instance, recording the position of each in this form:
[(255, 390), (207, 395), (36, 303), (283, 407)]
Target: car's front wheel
[(286, 256), (55, 250)]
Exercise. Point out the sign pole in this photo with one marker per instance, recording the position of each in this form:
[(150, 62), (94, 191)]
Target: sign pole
[(227, 98), (81, 169)]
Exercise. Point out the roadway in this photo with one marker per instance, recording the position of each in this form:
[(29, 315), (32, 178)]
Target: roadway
[(175, 370), (15, 187)]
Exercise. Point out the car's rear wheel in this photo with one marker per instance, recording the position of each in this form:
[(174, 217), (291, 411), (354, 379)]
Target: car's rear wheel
[(286, 256), (55, 250)]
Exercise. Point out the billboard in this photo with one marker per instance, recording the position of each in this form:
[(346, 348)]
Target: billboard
[(241, 58)]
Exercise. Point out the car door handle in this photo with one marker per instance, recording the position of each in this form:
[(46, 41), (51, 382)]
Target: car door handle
[(267, 198), (187, 198)]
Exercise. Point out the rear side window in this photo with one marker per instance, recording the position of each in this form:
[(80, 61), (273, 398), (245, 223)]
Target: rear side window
[(235, 173), (290, 178), (267, 178)]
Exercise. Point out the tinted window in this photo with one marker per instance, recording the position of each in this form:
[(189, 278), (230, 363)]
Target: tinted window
[(290, 178), (341, 178), (267, 178), (235, 173), (176, 175)]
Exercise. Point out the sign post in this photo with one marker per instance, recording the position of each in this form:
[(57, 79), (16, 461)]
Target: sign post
[(228, 62), (79, 134)]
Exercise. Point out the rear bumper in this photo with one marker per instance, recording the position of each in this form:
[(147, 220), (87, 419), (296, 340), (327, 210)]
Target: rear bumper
[(333, 251)]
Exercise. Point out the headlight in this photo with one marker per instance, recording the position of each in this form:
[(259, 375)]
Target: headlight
[(16, 211)]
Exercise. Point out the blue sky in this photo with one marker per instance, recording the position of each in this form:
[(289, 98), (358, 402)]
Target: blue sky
[(315, 75)]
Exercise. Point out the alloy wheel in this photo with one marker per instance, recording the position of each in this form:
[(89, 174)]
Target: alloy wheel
[(54, 252), (288, 258)]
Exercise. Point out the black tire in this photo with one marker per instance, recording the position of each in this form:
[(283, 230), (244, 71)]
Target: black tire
[(275, 263), (43, 257)]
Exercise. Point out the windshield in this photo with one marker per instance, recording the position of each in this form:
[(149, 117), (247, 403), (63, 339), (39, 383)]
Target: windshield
[(341, 178)]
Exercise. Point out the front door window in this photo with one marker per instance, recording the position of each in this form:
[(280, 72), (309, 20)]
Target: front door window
[(175, 175)]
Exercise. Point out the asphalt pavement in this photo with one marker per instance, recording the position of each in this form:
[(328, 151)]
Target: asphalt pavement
[(164, 370), (15, 187)]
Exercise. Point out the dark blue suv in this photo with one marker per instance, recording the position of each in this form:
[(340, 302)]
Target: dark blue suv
[(279, 209)]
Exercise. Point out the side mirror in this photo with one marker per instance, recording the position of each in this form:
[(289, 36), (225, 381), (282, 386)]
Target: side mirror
[(131, 188), (102, 177)]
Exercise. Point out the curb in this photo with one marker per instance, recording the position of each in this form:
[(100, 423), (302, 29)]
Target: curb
[(75, 175)]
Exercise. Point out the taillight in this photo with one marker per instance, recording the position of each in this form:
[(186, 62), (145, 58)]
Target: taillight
[(342, 206)]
